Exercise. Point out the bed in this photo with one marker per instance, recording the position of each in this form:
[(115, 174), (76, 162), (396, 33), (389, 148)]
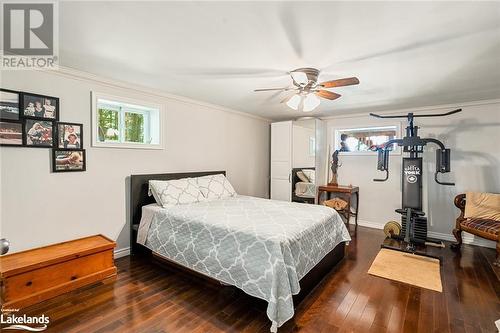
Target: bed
[(272, 250)]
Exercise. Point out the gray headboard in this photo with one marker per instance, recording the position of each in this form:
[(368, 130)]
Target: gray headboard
[(139, 195)]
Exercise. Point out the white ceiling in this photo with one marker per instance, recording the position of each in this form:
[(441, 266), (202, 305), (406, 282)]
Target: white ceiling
[(405, 54)]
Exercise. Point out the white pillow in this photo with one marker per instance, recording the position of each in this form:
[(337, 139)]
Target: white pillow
[(175, 192), (310, 174), (302, 177), (215, 187)]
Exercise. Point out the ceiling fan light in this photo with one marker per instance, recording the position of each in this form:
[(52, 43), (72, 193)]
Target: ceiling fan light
[(311, 102), (294, 102), (300, 77)]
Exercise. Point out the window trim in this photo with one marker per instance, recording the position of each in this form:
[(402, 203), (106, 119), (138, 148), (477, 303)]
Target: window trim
[(336, 138), (127, 145)]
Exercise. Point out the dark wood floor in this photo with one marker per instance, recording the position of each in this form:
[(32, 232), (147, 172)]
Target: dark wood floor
[(148, 298)]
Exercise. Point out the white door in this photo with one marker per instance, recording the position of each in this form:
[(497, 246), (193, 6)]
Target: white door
[(281, 161)]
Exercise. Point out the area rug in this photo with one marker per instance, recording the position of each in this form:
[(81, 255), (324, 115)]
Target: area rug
[(409, 268)]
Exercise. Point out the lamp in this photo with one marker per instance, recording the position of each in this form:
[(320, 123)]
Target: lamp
[(300, 77), (311, 101), (294, 102)]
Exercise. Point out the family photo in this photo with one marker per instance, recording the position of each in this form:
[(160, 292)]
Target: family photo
[(68, 160), (39, 106), (69, 135), (11, 134), (39, 133), (9, 105)]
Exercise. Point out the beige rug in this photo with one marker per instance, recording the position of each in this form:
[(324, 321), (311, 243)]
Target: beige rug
[(409, 268)]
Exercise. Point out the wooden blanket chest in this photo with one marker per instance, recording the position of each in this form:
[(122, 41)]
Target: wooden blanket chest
[(32, 276)]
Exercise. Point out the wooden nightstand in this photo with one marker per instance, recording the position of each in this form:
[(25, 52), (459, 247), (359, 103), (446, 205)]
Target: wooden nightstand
[(346, 193)]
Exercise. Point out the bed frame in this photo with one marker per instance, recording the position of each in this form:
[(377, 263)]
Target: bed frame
[(139, 197)]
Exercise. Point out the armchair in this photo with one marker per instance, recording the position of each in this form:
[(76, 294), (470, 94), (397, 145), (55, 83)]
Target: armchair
[(485, 228)]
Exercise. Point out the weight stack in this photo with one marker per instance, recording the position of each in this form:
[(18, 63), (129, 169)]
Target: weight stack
[(419, 228)]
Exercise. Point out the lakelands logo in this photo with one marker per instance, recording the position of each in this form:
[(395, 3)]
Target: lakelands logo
[(29, 38), (412, 172), (22, 322)]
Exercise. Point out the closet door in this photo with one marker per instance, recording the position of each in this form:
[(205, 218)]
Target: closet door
[(281, 161)]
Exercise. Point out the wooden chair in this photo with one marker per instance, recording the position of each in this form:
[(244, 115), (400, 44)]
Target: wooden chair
[(485, 228)]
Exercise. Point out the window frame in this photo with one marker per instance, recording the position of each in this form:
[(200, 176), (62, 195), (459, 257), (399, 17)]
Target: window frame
[(122, 143), (336, 139)]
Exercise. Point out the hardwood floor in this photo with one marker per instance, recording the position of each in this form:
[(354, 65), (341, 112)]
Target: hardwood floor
[(148, 298)]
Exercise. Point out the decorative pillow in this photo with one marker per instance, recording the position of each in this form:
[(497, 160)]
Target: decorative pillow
[(482, 206), (175, 192), (302, 177), (215, 187), (310, 174)]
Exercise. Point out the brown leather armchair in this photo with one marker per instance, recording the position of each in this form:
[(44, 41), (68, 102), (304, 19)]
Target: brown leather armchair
[(485, 228)]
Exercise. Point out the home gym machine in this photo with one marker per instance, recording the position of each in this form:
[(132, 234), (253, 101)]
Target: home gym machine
[(413, 220)]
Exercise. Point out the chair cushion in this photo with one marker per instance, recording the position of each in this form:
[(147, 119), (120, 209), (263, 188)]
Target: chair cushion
[(487, 226), (484, 206)]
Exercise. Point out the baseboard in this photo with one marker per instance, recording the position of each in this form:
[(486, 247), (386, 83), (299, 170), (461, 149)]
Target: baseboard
[(466, 238), (122, 252)]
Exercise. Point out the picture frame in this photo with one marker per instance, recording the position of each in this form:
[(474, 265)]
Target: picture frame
[(69, 160), (38, 133), (69, 135), (37, 106), (11, 133), (10, 105)]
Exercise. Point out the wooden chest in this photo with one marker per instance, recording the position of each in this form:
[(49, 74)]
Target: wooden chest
[(35, 275)]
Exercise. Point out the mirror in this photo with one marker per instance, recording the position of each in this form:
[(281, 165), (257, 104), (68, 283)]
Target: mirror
[(364, 140)]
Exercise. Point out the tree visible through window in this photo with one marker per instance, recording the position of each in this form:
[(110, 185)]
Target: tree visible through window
[(134, 127)]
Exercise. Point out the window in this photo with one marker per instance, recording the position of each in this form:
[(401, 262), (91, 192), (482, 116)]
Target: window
[(124, 123), (364, 140)]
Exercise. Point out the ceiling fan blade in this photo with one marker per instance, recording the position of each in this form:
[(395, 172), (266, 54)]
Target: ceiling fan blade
[(327, 94), (286, 99), (271, 89), (340, 82)]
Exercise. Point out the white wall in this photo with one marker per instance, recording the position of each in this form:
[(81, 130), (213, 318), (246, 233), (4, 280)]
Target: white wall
[(474, 138), (39, 207), (302, 132)]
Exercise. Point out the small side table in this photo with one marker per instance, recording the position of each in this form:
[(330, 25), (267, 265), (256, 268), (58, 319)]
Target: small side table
[(346, 192)]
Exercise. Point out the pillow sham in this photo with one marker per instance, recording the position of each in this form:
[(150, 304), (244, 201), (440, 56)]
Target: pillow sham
[(302, 177), (215, 187), (175, 192), (310, 174)]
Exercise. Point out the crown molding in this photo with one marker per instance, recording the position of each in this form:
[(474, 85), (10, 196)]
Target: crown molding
[(417, 110), (80, 75)]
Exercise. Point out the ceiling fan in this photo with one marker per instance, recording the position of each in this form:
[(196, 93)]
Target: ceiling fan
[(308, 90)]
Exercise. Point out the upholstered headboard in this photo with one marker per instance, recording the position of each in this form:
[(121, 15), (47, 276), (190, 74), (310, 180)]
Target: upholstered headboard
[(139, 195)]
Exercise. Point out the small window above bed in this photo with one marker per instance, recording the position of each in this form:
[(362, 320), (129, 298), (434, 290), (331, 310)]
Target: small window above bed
[(119, 122)]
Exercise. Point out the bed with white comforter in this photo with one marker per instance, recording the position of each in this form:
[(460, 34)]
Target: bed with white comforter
[(261, 246)]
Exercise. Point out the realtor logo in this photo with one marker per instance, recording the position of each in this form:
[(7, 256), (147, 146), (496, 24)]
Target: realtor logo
[(29, 35)]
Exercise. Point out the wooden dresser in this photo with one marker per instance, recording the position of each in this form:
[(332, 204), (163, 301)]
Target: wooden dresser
[(35, 275)]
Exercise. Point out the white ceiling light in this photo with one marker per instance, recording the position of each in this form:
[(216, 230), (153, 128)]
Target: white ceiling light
[(300, 77), (310, 102), (294, 102)]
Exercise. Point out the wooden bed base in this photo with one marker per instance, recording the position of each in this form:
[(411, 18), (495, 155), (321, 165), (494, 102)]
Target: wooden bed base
[(139, 197)]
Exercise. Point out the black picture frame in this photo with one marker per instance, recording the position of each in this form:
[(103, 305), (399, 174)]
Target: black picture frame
[(3, 114), (30, 122), (58, 133), (26, 98), (67, 168), (2, 134)]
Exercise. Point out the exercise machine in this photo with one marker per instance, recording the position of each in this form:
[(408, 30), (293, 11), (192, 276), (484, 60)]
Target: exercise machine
[(413, 220)]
